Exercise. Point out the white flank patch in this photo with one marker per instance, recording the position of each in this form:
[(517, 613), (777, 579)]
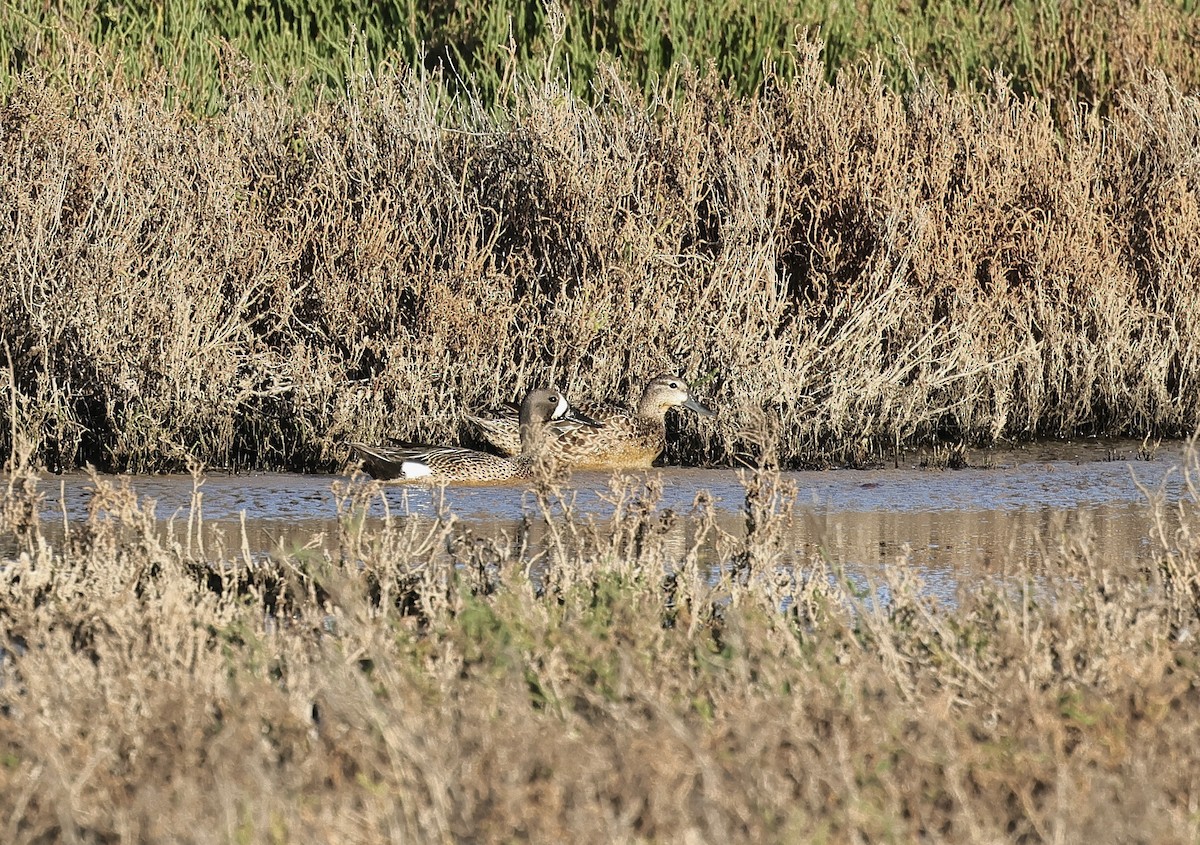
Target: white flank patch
[(561, 409), (413, 469)]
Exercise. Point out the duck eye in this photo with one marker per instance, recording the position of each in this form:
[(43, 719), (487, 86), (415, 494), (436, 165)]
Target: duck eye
[(674, 385), (554, 399)]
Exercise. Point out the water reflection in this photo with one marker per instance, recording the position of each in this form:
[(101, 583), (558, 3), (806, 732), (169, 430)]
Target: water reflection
[(946, 526)]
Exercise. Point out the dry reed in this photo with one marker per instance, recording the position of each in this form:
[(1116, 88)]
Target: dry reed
[(583, 682), (868, 270)]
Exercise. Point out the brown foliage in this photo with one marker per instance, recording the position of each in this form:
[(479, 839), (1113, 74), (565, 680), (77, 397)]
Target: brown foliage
[(586, 683), (864, 269)]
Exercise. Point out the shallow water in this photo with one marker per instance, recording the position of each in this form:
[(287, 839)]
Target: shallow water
[(949, 525)]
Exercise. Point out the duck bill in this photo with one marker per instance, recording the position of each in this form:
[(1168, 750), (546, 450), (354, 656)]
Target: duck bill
[(575, 416), (702, 410)]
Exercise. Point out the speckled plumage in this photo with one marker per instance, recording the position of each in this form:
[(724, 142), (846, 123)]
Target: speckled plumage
[(457, 464), (629, 439)]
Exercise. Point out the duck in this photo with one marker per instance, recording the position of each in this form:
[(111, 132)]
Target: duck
[(454, 464), (628, 439)]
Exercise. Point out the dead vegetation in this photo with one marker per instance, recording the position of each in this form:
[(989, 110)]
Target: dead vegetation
[(874, 271), (583, 684)]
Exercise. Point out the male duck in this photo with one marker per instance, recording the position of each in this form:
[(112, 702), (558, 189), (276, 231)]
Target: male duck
[(629, 439), (451, 463)]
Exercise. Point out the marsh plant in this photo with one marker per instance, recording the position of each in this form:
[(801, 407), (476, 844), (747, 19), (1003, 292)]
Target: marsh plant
[(573, 681), (1063, 53), (870, 270)]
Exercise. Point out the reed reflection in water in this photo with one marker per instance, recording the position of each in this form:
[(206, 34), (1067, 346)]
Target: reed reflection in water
[(946, 527)]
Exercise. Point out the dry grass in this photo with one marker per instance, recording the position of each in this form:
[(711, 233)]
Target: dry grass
[(418, 684), (862, 268)]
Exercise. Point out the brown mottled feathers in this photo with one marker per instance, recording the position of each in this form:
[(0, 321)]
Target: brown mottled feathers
[(629, 439), (456, 464)]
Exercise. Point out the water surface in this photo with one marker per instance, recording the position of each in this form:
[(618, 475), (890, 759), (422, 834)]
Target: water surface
[(948, 524)]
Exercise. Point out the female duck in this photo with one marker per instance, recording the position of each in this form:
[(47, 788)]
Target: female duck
[(451, 463), (629, 439)]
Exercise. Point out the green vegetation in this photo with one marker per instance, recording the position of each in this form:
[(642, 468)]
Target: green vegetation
[(1070, 51)]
